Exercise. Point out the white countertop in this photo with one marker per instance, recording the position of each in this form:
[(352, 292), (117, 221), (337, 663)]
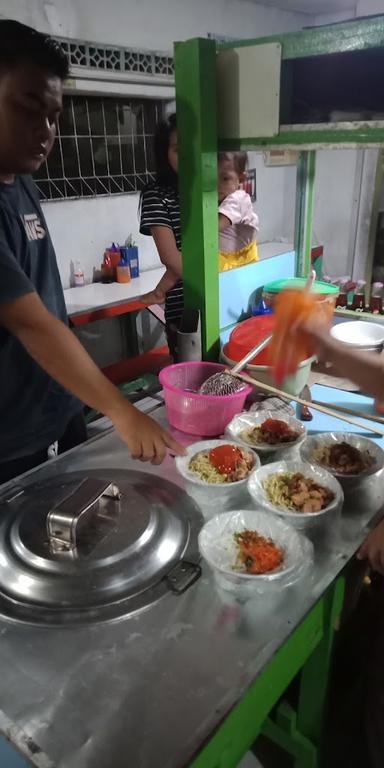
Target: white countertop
[(273, 248), (89, 298)]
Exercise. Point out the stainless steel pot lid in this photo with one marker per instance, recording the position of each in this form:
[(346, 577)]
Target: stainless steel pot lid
[(105, 542)]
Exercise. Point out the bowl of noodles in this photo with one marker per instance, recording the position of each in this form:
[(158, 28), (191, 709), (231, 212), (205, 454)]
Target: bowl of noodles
[(222, 466), (296, 491), (347, 456), (266, 432), (250, 551)]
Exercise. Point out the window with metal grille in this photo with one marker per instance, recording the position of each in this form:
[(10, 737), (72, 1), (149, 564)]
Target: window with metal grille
[(104, 146), (98, 56)]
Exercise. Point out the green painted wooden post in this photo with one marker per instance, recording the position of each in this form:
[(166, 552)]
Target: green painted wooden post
[(195, 73), (304, 212), (244, 723), (316, 672)]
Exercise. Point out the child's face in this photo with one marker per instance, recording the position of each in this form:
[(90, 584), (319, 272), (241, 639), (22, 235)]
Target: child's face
[(172, 152), (228, 179)]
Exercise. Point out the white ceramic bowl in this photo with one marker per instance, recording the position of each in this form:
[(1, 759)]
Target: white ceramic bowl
[(300, 520), (360, 334), (363, 444), (218, 548), (256, 419), (182, 464)]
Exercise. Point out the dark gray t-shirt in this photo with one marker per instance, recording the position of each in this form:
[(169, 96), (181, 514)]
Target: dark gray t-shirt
[(34, 409)]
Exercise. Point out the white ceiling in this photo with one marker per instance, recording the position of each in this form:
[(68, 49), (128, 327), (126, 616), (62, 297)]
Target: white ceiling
[(312, 6)]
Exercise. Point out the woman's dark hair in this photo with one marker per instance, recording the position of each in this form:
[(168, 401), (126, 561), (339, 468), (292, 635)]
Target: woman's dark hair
[(20, 44), (165, 175)]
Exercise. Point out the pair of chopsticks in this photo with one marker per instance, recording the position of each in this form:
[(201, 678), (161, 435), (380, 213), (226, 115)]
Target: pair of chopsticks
[(316, 405)]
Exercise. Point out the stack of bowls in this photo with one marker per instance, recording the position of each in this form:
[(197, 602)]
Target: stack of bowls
[(359, 334)]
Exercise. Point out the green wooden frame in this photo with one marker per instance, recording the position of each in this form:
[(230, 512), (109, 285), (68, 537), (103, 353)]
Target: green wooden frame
[(308, 650), (309, 647), (318, 41), (195, 69), (195, 73)]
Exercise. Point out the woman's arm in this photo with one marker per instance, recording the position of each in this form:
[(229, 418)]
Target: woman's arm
[(167, 249), (170, 256)]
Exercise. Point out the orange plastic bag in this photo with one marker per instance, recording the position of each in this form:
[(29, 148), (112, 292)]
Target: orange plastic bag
[(288, 349)]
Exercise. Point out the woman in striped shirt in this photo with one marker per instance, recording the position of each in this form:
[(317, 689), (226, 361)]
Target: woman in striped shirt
[(160, 217)]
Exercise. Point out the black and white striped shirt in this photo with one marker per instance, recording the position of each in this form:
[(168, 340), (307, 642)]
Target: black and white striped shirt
[(160, 207)]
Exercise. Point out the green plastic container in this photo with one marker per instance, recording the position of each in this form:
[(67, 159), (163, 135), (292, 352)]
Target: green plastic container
[(276, 286)]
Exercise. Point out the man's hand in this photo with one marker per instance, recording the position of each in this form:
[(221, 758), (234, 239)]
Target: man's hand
[(145, 438), (60, 354), (373, 549)]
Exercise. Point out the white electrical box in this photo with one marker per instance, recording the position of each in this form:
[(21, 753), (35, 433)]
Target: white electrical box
[(248, 84)]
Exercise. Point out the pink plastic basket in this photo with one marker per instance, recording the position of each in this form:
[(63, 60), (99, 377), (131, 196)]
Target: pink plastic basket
[(205, 415)]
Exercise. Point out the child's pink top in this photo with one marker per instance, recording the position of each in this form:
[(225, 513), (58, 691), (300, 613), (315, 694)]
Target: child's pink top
[(237, 207)]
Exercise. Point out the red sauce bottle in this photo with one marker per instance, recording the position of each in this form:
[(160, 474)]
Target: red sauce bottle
[(358, 301), (376, 301)]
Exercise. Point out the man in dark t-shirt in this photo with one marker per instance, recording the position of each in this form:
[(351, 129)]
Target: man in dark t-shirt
[(45, 373)]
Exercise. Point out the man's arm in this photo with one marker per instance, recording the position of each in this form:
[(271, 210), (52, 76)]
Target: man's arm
[(55, 348)]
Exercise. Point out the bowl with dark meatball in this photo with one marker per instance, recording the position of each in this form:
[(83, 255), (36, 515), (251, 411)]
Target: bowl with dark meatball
[(347, 456), (266, 431)]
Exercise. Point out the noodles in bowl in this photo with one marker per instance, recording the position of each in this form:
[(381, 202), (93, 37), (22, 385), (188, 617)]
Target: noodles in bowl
[(297, 490), (294, 491), (349, 457), (219, 465), (225, 463)]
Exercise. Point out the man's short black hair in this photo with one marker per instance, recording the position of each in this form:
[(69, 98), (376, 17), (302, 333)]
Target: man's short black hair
[(20, 44)]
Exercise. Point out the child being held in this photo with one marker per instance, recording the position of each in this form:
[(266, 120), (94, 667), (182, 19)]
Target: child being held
[(238, 224)]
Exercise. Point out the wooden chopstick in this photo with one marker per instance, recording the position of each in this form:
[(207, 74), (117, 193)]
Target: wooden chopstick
[(352, 412), (312, 405)]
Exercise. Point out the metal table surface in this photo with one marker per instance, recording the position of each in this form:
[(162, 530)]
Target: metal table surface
[(149, 690)]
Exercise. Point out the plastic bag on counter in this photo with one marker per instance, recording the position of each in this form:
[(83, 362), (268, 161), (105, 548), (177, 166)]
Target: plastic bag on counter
[(218, 547)]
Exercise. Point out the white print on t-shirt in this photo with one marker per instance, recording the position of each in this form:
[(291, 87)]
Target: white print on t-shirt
[(33, 227)]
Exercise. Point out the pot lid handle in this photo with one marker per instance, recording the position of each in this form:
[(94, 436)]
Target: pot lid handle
[(78, 507)]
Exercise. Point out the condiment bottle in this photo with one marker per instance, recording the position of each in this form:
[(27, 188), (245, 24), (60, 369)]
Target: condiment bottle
[(358, 301), (122, 272), (342, 299), (78, 275), (107, 270), (376, 302)]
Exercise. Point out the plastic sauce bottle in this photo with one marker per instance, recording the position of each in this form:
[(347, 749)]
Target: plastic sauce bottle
[(358, 301), (376, 302), (78, 275), (107, 270), (342, 299), (122, 272)]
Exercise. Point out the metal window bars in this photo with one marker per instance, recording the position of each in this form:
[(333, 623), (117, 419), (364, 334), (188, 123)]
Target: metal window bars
[(104, 146)]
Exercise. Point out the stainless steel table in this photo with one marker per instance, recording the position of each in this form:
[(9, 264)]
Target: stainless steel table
[(152, 690)]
